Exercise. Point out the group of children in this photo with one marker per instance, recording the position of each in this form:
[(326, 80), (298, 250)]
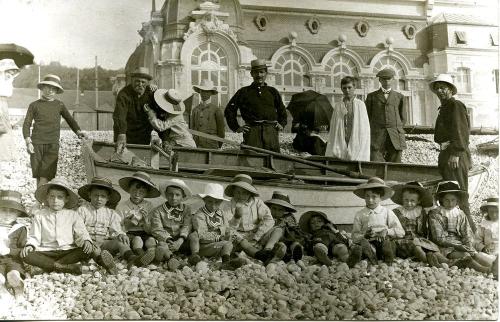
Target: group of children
[(63, 234)]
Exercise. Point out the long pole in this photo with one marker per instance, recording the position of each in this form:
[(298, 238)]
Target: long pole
[(39, 79), (77, 101), (96, 94)]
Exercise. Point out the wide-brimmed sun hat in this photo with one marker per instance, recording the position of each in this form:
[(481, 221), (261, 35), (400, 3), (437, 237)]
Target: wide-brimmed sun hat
[(374, 182), (100, 182), (8, 64), (445, 187), (443, 78), (41, 192), (169, 100), (257, 64), (12, 200), (306, 218), (144, 178), (213, 190), (141, 72), (206, 85), (243, 181), (175, 183), (281, 199), (51, 80), (386, 73), (425, 195), (489, 202)]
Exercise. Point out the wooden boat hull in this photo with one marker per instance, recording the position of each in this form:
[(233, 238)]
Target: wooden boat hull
[(336, 199)]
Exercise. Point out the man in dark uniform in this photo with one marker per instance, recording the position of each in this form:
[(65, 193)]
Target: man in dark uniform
[(386, 113), (452, 134), (261, 108), (130, 121)]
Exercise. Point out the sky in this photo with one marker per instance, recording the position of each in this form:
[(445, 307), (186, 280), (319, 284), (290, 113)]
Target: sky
[(73, 32)]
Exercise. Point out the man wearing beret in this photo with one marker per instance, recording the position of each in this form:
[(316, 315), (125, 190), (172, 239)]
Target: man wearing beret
[(261, 108), (386, 113), (452, 134), (130, 122)]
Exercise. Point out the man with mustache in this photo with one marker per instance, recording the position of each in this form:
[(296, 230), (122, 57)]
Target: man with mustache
[(130, 122), (261, 109)]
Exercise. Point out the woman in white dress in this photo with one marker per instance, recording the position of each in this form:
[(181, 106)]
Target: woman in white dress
[(8, 71), (349, 136)]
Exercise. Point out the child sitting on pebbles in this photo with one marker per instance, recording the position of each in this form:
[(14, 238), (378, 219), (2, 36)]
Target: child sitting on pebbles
[(412, 198), (171, 222), (13, 237), (58, 239), (135, 211), (450, 230), (487, 233), (325, 238), (104, 223), (285, 240), (375, 227), (251, 217), (211, 234)]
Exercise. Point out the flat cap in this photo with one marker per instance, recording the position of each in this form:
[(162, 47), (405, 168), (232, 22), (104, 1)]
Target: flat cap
[(386, 73)]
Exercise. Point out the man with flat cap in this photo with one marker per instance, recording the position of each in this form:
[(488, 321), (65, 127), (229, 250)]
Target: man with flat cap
[(130, 122), (386, 113), (261, 108)]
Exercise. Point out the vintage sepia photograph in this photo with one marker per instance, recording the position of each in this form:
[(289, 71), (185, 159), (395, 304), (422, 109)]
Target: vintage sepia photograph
[(249, 160)]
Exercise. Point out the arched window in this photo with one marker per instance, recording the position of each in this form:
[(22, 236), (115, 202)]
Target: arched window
[(463, 80), (338, 67), (399, 82), (209, 61), (292, 71)]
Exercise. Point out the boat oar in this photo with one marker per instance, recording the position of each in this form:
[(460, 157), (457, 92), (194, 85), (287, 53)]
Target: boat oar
[(351, 174)]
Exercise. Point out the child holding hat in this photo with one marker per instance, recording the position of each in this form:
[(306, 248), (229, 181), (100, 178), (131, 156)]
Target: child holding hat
[(43, 142), (169, 119), (251, 217), (211, 234), (135, 210), (207, 117), (450, 230), (13, 236), (375, 227), (171, 222)]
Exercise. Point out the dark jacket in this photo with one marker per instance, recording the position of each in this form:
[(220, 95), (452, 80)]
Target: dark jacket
[(453, 125), (386, 115)]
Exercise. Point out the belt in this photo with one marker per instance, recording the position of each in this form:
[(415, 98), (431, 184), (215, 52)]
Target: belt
[(262, 123)]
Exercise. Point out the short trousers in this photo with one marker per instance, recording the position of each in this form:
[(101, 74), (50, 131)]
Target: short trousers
[(44, 160), (9, 263)]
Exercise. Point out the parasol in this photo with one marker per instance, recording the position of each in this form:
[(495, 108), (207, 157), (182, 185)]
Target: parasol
[(19, 54), (311, 108)]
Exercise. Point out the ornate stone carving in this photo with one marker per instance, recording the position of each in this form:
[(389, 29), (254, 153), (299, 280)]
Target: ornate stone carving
[(410, 30), (261, 22), (207, 21), (362, 27), (313, 24)]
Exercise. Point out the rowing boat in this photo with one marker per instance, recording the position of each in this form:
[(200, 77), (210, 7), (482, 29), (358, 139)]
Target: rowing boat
[(310, 187)]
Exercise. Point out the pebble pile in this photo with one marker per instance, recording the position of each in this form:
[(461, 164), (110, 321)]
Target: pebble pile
[(303, 290)]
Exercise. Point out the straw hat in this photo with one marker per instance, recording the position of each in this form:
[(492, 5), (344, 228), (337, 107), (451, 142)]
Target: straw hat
[(386, 73), (141, 72), (281, 199), (52, 80), (443, 78), (100, 182), (41, 192), (306, 217), (175, 183), (374, 182), (445, 187), (206, 85), (169, 100), (143, 177), (213, 190), (243, 181), (489, 202), (12, 200), (257, 64), (425, 195)]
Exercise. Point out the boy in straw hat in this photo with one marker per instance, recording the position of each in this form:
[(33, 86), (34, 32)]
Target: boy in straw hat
[(104, 224), (45, 115), (375, 227), (324, 237), (171, 222), (413, 198), (207, 117), (450, 230), (251, 217), (135, 210), (211, 234), (13, 237), (167, 117), (58, 239)]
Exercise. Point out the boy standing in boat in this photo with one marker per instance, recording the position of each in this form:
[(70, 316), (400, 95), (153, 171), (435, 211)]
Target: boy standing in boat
[(207, 117)]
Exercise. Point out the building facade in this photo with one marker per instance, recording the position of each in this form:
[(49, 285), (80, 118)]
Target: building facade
[(313, 44)]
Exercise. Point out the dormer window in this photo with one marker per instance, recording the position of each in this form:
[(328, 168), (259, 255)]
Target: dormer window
[(461, 37), (494, 38)]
